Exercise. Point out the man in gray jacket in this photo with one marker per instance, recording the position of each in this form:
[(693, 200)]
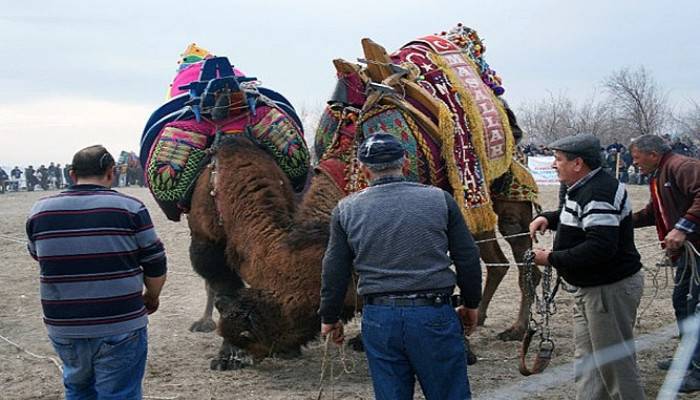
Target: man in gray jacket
[(397, 235)]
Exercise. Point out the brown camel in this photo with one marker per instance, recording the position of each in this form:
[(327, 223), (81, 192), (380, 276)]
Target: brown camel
[(248, 224), (513, 216)]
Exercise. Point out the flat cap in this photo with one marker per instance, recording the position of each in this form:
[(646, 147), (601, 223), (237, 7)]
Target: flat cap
[(379, 148), (584, 145)]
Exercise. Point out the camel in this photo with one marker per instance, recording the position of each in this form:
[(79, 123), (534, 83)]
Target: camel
[(348, 102), (248, 224), (252, 232), (220, 245)]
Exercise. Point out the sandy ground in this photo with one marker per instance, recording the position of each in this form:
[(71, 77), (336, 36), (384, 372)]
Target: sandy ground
[(178, 364)]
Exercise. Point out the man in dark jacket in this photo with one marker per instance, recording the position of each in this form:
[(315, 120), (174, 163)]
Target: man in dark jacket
[(43, 173), (675, 211), (31, 179), (397, 235), (594, 252)]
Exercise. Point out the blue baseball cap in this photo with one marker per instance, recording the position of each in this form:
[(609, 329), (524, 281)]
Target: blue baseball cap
[(380, 148)]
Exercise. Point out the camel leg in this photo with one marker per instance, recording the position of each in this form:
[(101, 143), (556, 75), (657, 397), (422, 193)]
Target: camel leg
[(514, 218), (209, 260), (491, 253), (206, 322)]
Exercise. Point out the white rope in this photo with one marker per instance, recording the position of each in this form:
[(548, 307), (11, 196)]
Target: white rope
[(13, 239), (502, 237), (506, 264), (326, 361), (53, 360)]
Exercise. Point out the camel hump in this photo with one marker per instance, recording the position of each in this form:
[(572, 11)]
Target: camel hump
[(209, 97)]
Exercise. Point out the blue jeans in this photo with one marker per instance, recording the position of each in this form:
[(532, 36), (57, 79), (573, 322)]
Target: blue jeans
[(109, 367), (423, 341), (685, 298)]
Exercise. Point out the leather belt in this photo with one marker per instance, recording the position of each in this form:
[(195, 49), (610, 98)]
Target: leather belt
[(436, 299)]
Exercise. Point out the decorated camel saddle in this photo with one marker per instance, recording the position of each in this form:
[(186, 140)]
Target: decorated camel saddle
[(208, 100), (439, 97)]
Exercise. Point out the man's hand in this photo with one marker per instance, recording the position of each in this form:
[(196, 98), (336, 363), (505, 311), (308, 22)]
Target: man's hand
[(335, 330), (151, 303), (538, 224), (542, 256), (674, 240), (469, 317)]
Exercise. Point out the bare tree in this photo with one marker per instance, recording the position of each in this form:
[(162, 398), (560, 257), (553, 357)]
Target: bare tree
[(546, 120), (558, 116), (596, 117), (639, 105), (688, 122)]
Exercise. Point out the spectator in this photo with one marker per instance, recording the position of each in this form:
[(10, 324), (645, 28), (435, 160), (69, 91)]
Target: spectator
[(51, 172), (59, 176), (31, 179), (4, 178), (66, 175), (43, 173), (97, 249), (15, 176)]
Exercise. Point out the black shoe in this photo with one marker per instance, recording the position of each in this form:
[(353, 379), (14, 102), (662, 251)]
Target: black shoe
[(691, 382), (665, 364)]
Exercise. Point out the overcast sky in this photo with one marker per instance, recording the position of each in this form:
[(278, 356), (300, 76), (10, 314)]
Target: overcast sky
[(76, 73)]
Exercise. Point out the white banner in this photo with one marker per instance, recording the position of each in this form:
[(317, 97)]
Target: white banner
[(541, 169)]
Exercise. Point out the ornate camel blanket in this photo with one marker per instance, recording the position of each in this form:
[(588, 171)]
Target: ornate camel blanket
[(210, 99)]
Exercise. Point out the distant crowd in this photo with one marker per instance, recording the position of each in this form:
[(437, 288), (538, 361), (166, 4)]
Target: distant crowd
[(617, 160), (56, 177)]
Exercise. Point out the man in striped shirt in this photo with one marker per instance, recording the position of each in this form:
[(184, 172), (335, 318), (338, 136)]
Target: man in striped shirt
[(594, 251), (97, 250)]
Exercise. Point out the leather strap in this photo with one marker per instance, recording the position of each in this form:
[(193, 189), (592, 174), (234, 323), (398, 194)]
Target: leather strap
[(544, 354), (401, 301)]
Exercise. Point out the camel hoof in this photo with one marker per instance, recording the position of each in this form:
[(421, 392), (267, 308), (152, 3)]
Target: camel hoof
[(356, 344), (203, 325), (230, 358), (511, 334), (226, 364)]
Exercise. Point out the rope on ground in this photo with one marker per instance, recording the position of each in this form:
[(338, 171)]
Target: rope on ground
[(13, 239), (53, 360), (347, 363), (183, 273), (325, 361), (161, 398)]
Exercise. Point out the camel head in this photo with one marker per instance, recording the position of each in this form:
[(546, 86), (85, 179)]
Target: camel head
[(252, 320)]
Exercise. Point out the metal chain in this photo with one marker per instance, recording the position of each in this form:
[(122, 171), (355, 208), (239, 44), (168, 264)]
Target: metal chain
[(544, 303)]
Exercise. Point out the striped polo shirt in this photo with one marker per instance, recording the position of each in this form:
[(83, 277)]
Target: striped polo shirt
[(94, 246)]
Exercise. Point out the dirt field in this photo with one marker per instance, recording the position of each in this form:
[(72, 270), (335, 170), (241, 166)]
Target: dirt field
[(178, 365)]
